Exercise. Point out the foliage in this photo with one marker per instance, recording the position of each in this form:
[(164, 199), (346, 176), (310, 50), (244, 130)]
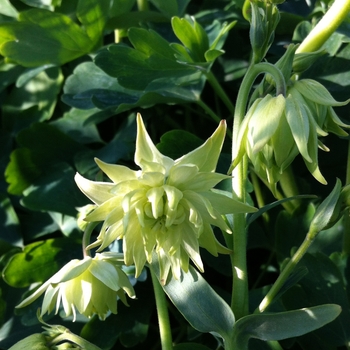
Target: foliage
[(73, 76)]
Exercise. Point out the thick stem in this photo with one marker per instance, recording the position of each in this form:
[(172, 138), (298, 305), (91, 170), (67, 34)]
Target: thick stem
[(162, 312), (325, 27), (239, 302), (282, 278)]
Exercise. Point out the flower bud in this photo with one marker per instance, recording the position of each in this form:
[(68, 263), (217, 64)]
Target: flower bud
[(303, 61)]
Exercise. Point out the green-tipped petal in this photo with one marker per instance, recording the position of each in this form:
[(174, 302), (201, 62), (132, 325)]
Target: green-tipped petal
[(316, 92), (298, 121), (207, 155), (146, 150), (264, 123)]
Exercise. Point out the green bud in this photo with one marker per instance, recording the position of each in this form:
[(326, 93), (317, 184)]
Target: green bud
[(263, 17), (303, 61), (329, 211)]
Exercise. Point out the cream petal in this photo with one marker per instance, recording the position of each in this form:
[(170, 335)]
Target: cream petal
[(50, 300), (155, 197), (35, 295), (98, 192), (181, 174), (205, 181), (106, 209), (72, 270), (106, 273), (116, 173), (226, 205)]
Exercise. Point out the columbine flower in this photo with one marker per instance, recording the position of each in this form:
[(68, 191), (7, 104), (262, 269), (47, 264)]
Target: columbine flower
[(276, 129), (91, 286), (167, 206)]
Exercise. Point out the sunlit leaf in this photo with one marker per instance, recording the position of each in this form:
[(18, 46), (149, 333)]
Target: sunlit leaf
[(39, 261), (57, 39), (284, 325)]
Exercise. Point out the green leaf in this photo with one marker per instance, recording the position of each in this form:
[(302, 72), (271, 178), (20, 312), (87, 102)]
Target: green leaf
[(201, 306), (151, 59), (134, 19), (323, 284), (42, 145), (169, 7), (55, 191), (9, 74), (176, 143), (39, 261), (93, 15), (50, 144), (265, 208), (10, 228), (38, 90), (283, 325), (21, 170), (91, 87), (74, 124), (193, 37), (57, 39)]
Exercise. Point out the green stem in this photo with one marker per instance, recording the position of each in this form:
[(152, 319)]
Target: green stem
[(162, 312), (239, 301), (289, 186), (86, 237), (325, 27), (220, 91), (346, 217), (282, 278)]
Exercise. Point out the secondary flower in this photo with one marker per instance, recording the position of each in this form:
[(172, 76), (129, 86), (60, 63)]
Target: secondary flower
[(276, 129), (89, 286), (168, 206)]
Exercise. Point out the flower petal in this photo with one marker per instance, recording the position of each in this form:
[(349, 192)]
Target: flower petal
[(146, 151), (317, 93), (207, 155), (116, 173), (98, 192)]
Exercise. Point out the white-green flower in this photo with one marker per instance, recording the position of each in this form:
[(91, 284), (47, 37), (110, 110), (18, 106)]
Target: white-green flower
[(168, 206), (276, 129), (89, 286)]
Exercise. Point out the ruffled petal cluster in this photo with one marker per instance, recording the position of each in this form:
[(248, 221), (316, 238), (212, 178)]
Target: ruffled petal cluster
[(167, 206), (277, 129), (89, 286)]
